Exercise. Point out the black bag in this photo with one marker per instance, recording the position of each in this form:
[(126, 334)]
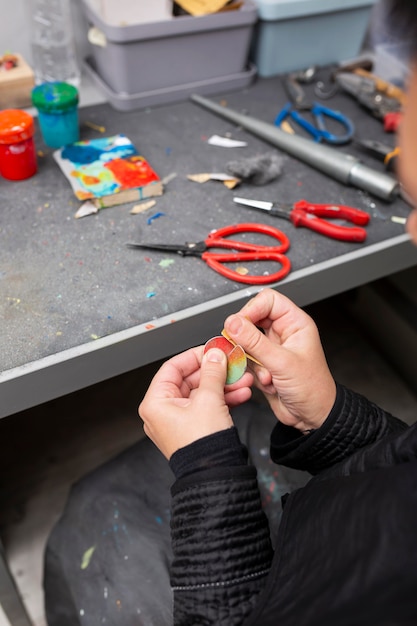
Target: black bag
[(107, 559)]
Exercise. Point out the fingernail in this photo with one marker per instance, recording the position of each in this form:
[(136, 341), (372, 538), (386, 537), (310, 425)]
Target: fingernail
[(215, 356), (234, 324)]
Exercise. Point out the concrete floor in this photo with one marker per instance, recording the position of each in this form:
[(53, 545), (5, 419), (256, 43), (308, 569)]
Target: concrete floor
[(44, 450)]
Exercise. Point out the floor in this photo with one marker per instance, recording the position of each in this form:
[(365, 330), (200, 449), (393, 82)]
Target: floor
[(44, 450)]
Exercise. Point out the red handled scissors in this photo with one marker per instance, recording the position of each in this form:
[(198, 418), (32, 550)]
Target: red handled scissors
[(243, 252), (311, 216)]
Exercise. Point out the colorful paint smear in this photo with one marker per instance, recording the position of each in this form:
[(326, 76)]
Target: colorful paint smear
[(104, 166), (236, 357)]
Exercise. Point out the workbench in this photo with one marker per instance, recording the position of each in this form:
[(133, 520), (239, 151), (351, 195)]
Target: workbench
[(78, 306)]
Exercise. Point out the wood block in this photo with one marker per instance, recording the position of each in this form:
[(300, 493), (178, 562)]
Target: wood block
[(16, 85)]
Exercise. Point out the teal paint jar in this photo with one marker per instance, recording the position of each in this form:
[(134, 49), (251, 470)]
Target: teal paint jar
[(57, 106)]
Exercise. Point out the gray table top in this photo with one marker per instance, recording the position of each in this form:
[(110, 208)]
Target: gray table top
[(78, 306)]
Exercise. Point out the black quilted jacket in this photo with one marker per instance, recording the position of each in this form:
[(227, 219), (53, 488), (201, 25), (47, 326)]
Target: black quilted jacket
[(346, 551)]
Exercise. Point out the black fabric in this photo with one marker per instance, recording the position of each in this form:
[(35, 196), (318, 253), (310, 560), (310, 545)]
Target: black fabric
[(120, 513), (342, 553), (346, 549), (122, 509), (223, 448), (347, 554), (243, 558), (353, 422)]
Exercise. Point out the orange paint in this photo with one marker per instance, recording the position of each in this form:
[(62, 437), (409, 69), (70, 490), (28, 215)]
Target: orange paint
[(131, 172)]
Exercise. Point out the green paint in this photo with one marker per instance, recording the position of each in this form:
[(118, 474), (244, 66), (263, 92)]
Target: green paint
[(87, 557), (166, 262)]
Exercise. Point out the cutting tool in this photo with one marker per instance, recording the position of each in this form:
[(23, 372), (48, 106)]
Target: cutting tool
[(244, 251), (303, 213), (319, 115), (384, 103)]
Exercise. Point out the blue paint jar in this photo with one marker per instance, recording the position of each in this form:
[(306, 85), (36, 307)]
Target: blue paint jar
[(57, 106)]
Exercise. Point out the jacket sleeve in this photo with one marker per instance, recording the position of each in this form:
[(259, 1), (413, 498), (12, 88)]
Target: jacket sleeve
[(353, 423), (221, 545)]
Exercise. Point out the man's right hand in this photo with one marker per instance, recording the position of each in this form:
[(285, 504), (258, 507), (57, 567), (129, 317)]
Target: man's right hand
[(295, 377)]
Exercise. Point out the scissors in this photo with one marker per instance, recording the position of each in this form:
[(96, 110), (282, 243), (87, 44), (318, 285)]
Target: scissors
[(244, 252), (303, 213), (318, 130)]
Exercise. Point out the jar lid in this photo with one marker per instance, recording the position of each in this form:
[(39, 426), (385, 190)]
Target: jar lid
[(15, 126), (54, 97)]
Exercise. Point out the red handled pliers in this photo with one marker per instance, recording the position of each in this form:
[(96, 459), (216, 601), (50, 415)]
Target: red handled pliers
[(244, 251), (303, 213)]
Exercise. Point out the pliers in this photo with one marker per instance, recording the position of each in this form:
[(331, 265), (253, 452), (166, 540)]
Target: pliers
[(384, 104), (303, 213)]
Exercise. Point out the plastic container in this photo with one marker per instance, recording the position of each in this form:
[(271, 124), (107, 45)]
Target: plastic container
[(57, 105), (166, 54), (132, 101), (52, 40), (17, 147), (124, 12), (295, 34)]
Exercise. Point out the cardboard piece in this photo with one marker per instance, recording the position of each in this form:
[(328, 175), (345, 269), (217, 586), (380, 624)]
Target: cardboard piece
[(202, 7), (16, 85)]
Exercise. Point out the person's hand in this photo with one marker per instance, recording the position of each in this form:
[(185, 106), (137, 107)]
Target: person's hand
[(187, 399), (295, 377)]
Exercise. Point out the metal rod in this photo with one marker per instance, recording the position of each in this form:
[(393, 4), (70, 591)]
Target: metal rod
[(343, 167)]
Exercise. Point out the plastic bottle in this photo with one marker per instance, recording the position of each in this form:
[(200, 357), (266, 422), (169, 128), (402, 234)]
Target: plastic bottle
[(17, 147), (53, 47), (57, 105)]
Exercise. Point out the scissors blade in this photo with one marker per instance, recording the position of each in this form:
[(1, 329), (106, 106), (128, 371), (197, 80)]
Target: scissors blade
[(257, 204), (159, 246)]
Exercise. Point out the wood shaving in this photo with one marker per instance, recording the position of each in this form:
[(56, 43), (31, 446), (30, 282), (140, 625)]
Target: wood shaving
[(144, 206)]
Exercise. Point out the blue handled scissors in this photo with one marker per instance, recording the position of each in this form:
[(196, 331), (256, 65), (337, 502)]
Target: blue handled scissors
[(318, 130)]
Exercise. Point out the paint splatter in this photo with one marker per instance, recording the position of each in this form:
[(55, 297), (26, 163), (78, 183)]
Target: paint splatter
[(85, 562), (154, 217)]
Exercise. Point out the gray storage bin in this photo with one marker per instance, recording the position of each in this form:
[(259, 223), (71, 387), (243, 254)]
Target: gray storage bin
[(159, 55)]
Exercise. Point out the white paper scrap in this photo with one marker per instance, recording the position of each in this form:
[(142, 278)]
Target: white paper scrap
[(225, 142), (87, 208)]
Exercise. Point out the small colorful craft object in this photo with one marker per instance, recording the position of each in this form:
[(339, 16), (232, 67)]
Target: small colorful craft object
[(236, 357)]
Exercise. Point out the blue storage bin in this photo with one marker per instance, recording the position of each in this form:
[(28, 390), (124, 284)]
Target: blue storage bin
[(294, 34)]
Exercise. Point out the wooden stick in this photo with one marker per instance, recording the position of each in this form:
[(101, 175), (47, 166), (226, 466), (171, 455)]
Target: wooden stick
[(248, 356)]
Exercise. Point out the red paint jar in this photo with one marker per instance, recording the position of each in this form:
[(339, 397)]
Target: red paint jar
[(17, 147)]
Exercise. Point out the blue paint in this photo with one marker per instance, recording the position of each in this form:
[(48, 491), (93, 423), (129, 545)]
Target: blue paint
[(82, 155), (101, 149), (154, 217)]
